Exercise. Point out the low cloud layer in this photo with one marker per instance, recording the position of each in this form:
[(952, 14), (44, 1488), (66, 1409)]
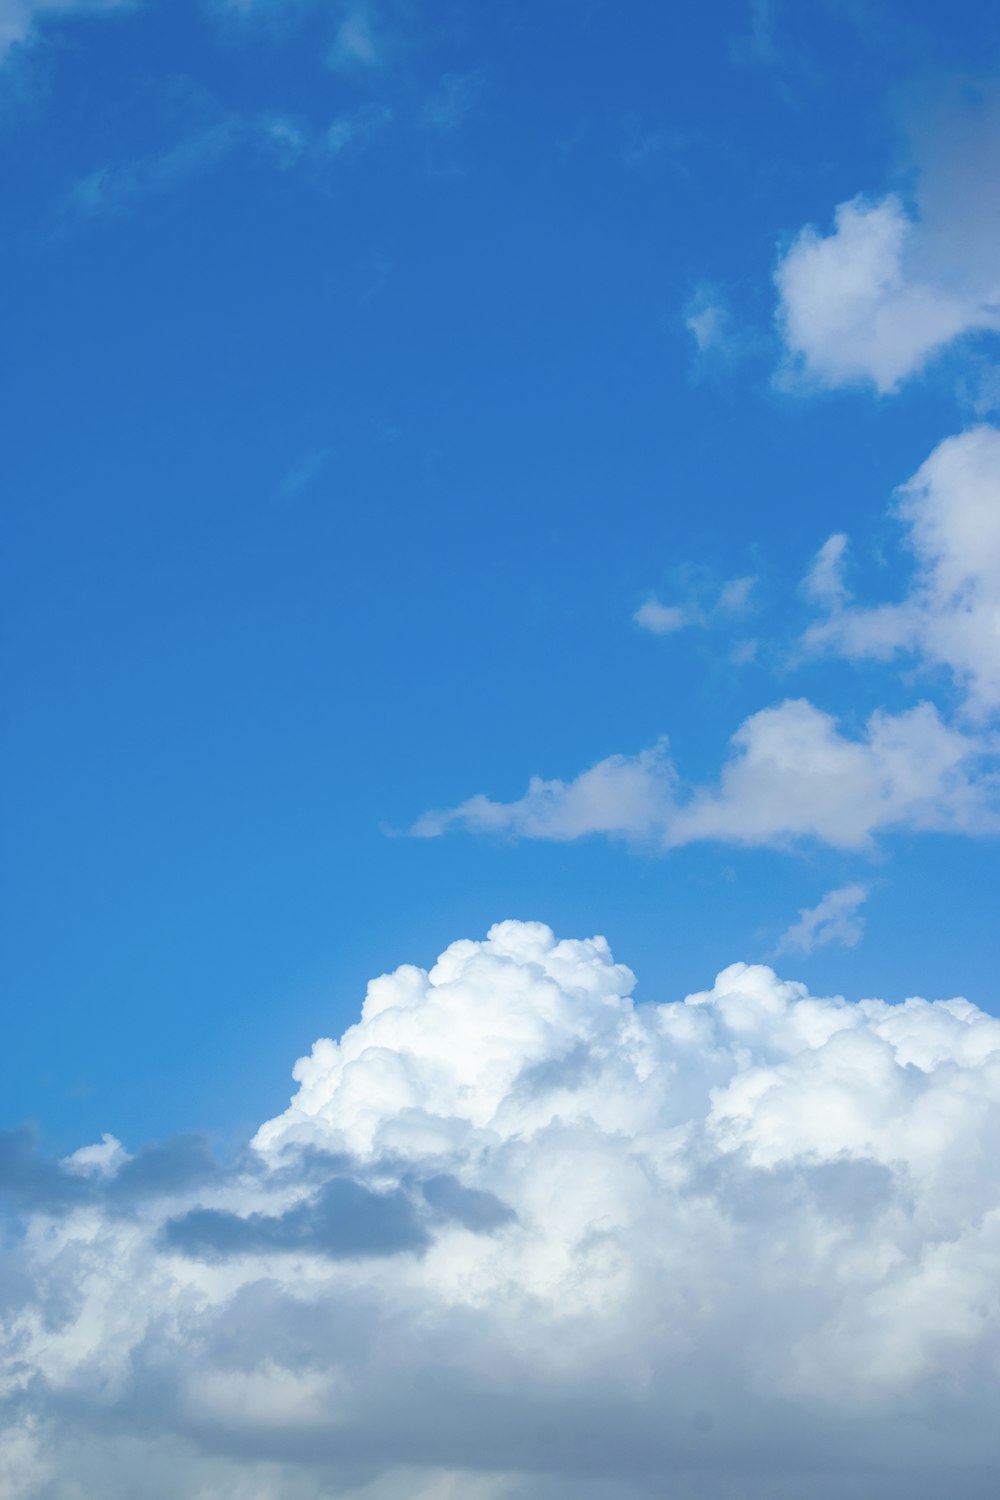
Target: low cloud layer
[(518, 1238)]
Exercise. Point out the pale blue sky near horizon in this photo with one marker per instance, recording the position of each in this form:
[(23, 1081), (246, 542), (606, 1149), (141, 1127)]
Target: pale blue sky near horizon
[(351, 412)]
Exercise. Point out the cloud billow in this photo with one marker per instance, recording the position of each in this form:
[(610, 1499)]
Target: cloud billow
[(518, 1236)]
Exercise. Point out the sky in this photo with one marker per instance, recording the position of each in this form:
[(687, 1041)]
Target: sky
[(502, 517)]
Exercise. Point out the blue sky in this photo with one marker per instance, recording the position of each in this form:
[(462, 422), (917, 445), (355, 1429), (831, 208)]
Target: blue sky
[(351, 414), (336, 474)]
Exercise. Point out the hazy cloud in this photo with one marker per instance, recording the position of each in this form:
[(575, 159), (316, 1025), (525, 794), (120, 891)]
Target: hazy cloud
[(664, 619), (834, 919), (19, 19)]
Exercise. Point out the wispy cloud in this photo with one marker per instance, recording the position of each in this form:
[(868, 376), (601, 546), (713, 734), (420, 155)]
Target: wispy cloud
[(665, 619), (111, 187), (358, 42), (834, 919), (21, 20), (449, 105), (306, 469), (661, 619), (281, 140)]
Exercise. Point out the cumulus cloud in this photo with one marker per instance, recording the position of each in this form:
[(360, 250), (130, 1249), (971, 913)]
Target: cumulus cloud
[(834, 919), (875, 299), (19, 19), (851, 311), (744, 1243), (791, 774), (950, 615)]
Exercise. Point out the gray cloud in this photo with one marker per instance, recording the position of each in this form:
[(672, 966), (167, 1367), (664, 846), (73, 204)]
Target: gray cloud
[(343, 1220)]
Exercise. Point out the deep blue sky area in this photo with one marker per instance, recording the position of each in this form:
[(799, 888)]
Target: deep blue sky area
[(349, 414)]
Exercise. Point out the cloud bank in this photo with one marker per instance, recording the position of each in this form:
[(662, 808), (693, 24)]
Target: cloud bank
[(519, 1238)]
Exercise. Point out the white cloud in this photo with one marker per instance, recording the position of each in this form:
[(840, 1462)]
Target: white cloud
[(661, 619), (833, 920), (623, 796), (20, 18), (101, 1160), (735, 596), (824, 583), (720, 336), (950, 617), (851, 311), (791, 774), (891, 286), (665, 619), (709, 325), (754, 1232)]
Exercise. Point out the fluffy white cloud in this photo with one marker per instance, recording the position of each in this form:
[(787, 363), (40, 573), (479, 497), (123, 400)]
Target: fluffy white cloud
[(950, 615), (18, 18), (874, 300), (753, 1233), (849, 308), (791, 774), (834, 919)]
